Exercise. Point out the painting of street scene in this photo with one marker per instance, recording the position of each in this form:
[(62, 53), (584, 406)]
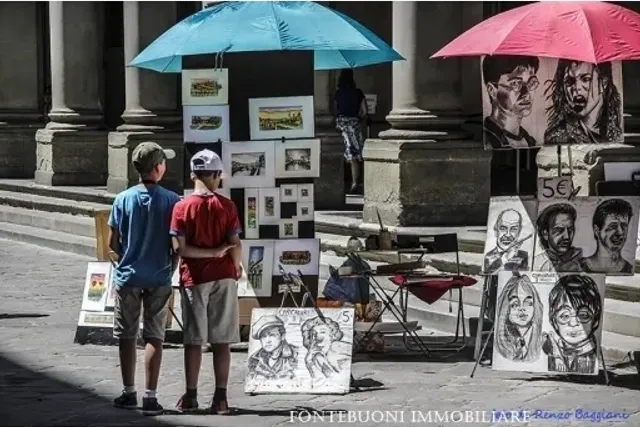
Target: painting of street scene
[(297, 159), (248, 164), (280, 118), (205, 122), (203, 87), (255, 266)]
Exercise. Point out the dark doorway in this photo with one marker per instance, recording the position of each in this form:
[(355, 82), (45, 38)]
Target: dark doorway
[(113, 93)]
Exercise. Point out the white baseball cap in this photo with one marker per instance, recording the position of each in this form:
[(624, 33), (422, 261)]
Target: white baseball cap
[(206, 160)]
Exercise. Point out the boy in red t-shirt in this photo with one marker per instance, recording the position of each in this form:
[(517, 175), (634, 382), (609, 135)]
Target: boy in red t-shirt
[(205, 229)]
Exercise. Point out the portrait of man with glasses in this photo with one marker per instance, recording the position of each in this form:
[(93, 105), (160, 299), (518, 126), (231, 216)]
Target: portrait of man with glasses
[(575, 309), (510, 82)]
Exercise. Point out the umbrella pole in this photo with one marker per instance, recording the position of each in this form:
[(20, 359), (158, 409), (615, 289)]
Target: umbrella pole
[(559, 160), (518, 172)]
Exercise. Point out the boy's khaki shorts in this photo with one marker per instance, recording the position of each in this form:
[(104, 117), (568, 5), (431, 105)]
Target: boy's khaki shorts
[(126, 319), (210, 313)]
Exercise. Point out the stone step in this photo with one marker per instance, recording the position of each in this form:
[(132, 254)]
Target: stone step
[(50, 239), (81, 194), (50, 204), (77, 225)]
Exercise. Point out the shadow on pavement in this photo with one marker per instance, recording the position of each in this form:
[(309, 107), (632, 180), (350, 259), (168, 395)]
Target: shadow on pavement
[(37, 399), (628, 380), (21, 315)]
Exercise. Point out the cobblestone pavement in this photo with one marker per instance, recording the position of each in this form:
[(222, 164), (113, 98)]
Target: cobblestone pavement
[(45, 379)]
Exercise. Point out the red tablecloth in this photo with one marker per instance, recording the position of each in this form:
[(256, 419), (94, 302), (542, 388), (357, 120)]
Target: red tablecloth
[(431, 289)]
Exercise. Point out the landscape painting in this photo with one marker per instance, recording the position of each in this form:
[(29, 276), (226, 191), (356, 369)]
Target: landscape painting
[(206, 123), (298, 159), (205, 87), (249, 164), (296, 351), (257, 263), (549, 322), (95, 287), (275, 118), (295, 255)]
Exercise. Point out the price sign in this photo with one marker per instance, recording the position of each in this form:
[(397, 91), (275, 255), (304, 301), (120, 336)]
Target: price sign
[(558, 187)]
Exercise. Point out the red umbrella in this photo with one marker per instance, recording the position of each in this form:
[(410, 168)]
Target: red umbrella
[(591, 32)]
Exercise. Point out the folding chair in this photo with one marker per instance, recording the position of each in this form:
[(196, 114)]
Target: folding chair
[(430, 288)]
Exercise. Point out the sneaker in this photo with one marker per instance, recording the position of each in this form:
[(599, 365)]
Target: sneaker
[(150, 406), (187, 404), (126, 401)]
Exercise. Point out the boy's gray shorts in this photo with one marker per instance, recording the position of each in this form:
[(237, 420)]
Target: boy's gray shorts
[(126, 319)]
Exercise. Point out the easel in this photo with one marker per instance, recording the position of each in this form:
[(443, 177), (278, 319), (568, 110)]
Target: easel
[(479, 353)]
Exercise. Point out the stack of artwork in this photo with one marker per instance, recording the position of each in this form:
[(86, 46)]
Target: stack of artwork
[(205, 97), (551, 258)]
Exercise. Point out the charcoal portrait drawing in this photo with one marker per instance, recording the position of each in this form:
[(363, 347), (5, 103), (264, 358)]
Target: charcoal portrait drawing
[(327, 356), (584, 104), (519, 322), (276, 358), (507, 255), (556, 231), (510, 82), (575, 308)]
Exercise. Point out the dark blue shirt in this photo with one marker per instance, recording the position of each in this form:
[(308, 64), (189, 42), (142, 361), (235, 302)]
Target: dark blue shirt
[(348, 101), (142, 217)]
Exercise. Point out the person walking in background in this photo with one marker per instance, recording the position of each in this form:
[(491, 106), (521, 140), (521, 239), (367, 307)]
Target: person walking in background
[(139, 236), (205, 229), (351, 115)]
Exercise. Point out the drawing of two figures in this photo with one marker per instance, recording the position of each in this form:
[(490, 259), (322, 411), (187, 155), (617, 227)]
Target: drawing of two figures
[(574, 309), (277, 359)]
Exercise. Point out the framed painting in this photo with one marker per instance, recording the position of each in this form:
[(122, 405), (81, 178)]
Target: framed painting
[(205, 87), (305, 193), (251, 209), (275, 118), (288, 193), (97, 280), (249, 164), (548, 322), (297, 254), (304, 212), (288, 228), (96, 319), (298, 158), (269, 205), (312, 355), (206, 123), (257, 262)]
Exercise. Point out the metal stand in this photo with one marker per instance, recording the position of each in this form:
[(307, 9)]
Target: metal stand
[(486, 287)]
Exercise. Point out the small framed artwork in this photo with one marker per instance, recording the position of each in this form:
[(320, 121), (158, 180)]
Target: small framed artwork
[(95, 287), (297, 254), (288, 193), (305, 212), (96, 319), (205, 87), (305, 193), (251, 209), (289, 229), (275, 118), (249, 164), (206, 123), (298, 158), (257, 262), (269, 205)]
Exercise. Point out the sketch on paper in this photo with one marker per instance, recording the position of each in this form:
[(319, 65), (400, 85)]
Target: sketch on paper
[(257, 263), (588, 234), (274, 118), (533, 101), (247, 164), (251, 228), (549, 322), (510, 235), (293, 350), (206, 123), (205, 87), (269, 206), (285, 117), (298, 159)]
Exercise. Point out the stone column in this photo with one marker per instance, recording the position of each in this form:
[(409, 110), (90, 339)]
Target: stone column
[(21, 89), (151, 112), (72, 148), (426, 170), (329, 188)]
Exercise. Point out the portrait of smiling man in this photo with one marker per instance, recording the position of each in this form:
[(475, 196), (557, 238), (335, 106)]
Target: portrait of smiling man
[(507, 255), (510, 82)]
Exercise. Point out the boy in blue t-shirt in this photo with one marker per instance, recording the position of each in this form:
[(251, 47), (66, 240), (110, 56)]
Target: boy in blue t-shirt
[(139, 235)]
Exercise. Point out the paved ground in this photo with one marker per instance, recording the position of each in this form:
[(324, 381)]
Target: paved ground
[(45, 379)]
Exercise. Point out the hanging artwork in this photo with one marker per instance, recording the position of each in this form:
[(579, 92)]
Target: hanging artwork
[(548, 322), (257, 262), (510, 235), (298, 159), (305, 193), (297, 254), (587, 234), (288, 228), (288, 193), (293, 350), (206, 123), (269, 205), (304, 212), (205, 87), (249, 164), (95, 287), (530, 102), (251, 209), (275, 118)]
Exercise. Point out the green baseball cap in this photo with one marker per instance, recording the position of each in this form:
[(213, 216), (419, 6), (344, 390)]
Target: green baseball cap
[(149, 154)]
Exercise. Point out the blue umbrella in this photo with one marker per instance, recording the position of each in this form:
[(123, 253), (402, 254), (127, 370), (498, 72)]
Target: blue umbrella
[(267, 26)]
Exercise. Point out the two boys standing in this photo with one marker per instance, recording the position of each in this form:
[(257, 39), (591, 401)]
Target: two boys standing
[(151, 228)]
